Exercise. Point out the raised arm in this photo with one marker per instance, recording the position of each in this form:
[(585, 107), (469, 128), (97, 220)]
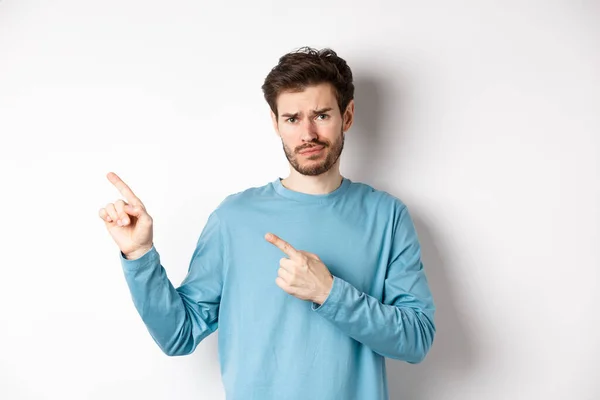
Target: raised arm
[(178, 319)]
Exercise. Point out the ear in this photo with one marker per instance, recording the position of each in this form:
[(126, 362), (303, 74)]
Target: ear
[(349, 115), (275, 124)]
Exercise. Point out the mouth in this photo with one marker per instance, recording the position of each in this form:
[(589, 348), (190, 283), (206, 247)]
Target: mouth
[(312, 150)]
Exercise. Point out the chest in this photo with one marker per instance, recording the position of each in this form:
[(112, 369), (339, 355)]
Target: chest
[(351, 246)]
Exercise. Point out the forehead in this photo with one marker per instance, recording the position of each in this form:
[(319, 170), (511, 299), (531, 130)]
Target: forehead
[(311, 98)]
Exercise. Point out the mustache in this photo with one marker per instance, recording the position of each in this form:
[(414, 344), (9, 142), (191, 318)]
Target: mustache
[(315, 144)]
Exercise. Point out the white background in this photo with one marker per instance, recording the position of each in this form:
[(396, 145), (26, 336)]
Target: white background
[(482, 116)]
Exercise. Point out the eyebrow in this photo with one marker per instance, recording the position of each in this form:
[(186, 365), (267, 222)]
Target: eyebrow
[(313, 112)]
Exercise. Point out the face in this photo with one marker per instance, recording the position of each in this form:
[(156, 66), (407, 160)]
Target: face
[(311, 128)]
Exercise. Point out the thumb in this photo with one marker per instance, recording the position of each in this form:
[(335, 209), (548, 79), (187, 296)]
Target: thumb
[(133, 211)]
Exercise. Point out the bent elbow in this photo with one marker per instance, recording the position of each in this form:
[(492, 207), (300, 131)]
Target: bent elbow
[(412, 356), (413, 348), (174, 352), (176, 349), (424, 342), (186, 341), (417, 357), (181, 344)]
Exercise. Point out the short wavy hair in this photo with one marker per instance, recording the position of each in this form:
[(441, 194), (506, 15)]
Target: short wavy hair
[(307, 66)]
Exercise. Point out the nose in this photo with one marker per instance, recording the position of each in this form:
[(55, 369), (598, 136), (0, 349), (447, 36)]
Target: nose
[(309, 130)]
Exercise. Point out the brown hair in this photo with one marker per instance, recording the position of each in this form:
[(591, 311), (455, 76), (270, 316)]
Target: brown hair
[(305, 67)]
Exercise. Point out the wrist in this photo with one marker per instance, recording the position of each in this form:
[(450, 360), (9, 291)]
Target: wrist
[(134, 255), (320, 299)]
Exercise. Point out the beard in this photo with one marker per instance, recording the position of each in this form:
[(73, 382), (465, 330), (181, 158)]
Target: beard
[(314, 168)]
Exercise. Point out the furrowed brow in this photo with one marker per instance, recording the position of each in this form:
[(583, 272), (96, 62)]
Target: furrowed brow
[(321, 111), (313, 113)]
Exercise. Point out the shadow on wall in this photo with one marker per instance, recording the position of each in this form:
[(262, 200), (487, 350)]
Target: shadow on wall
[(452, 355), (364, 136)]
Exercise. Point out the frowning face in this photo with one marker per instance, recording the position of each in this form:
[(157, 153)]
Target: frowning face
[(312, 128)]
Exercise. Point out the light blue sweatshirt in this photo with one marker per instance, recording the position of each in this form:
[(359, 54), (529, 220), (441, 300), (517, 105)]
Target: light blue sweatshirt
[(272, 345)]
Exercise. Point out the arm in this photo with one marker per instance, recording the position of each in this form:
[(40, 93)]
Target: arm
[(402, 325), (178, 319)]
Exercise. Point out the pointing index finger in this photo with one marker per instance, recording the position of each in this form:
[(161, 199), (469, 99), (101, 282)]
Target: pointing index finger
[(124, 189), (282, 245)]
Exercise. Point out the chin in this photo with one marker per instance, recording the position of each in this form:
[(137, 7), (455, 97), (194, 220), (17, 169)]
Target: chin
[(313, 170)]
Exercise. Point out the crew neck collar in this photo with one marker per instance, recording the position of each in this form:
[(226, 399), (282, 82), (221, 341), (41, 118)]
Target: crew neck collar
[(310, 198)]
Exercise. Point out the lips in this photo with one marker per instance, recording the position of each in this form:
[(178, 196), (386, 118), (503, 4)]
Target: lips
[(312, 150)]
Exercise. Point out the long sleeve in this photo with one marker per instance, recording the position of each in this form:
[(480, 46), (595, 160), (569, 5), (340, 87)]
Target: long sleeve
[(178, 319), (401, 326)]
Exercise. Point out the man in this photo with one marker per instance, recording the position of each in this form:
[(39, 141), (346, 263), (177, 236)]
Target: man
[(312, 279)]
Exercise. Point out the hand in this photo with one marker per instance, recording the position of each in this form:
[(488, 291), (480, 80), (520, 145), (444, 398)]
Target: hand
[(303, 274), (128, 222)]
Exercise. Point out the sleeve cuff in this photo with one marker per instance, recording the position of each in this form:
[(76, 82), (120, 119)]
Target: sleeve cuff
[(149, 258), (330, 306)]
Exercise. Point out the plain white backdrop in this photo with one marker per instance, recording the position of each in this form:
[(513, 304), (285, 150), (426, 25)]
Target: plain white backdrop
[(482, 116)]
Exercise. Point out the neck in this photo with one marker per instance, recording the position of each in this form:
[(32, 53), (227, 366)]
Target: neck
[(319, 184)]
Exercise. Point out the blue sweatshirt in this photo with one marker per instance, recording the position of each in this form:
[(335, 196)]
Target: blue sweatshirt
[(273, 345)]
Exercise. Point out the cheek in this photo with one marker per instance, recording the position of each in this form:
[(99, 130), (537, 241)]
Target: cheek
[(289, 141), (290, 130), (290, 136), (329, 132), (286, 132)]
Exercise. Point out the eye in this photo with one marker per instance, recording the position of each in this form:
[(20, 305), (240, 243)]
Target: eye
[(323, 116), (291, 120)]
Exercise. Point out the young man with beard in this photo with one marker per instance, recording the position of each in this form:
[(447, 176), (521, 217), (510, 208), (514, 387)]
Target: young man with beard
[(312, 280)]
